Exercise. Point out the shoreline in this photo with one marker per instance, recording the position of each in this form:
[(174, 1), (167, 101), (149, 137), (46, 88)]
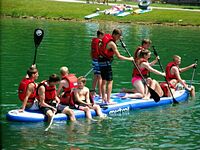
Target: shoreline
[(63, 19)]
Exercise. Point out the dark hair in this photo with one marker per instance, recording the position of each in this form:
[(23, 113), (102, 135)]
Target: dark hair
[(143, 52), (99, 32), (117, 31), (54, 78), (31, 70), (145, 41)]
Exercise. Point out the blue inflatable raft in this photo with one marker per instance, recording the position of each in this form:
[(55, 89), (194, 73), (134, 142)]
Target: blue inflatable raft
[(122, 105)]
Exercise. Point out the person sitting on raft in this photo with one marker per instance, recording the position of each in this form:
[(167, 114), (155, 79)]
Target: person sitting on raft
[(145, 68), (173, 75), (27, 90), (49, 101), (66, 85), (82, 100)]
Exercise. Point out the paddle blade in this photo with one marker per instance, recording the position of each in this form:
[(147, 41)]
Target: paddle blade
[(154, 95), (38, 36)]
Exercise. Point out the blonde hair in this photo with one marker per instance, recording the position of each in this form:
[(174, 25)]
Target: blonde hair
[(175, 57), (82, 79), (64, 70)]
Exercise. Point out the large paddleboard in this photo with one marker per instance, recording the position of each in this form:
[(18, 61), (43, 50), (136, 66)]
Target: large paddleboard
[(92, 15), (122, 105)]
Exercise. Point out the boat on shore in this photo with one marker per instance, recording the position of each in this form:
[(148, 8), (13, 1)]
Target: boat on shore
[(121, 105)]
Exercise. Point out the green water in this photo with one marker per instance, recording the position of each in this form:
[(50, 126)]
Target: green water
[(68, 43)]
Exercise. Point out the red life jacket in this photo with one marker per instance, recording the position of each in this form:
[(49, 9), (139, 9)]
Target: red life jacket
[(95, 48), (103, 51), (144, 71), (23, 87), (169, 76), (50, 91), (72, 81), (136, 52)]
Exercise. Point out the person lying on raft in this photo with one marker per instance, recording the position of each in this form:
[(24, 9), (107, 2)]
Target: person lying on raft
[(82, 101), (173, 75), (49, 102), (145, 68), (67, 84), (27, 90)]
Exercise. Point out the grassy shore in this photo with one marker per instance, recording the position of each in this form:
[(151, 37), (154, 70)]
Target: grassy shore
[(75, 11)]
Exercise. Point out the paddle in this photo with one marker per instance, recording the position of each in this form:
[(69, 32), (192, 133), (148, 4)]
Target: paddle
[(88, 72), (154, 95), (194, 69), (156, 54), (38, 36), (51, 121)]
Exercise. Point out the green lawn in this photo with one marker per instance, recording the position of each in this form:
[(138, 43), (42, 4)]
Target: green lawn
[(76, 11)]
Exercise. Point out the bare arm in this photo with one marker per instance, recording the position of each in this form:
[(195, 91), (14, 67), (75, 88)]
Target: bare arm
[(30, 89), (175, 71), (41, 93), (186, 68), (148, 67), (113, 46), (154, 61)]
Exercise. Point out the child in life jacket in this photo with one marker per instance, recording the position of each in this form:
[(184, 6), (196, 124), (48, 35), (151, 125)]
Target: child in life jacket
[(67, 84), (27, 90)]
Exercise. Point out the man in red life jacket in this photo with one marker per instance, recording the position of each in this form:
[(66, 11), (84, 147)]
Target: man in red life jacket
[(67, 84), (106, 52), (48, 99), (27, 90), (144, 46), (173, 73), (96, 42)]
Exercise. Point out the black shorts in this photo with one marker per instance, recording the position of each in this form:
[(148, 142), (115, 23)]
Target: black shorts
[(106, 70), (60, 108)]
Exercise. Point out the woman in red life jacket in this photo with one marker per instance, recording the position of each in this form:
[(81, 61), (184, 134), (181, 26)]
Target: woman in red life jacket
[(66, 85), (173, 73), (82, 99), (27, 90), (48, 98), (96, 69), (144, 46), (145, 68), (106, 52)]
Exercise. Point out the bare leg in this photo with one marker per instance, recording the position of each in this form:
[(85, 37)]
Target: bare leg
[(50, 115), (87, 112), (192, 92), (69, 112), (99, 86), (98, 110), (109, 90), (103, 88), (139, 87)]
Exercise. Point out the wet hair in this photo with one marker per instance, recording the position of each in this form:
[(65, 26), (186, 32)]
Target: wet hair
[(64, 70), (31, 71), (54, 78), (143, 52), (146, 41), (117, 32), (99, 32), (82, 79)]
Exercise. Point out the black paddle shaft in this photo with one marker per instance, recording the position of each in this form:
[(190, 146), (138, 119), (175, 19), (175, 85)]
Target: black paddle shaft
[(194, 69), (161, 67), (38, 36), (154, 95)]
